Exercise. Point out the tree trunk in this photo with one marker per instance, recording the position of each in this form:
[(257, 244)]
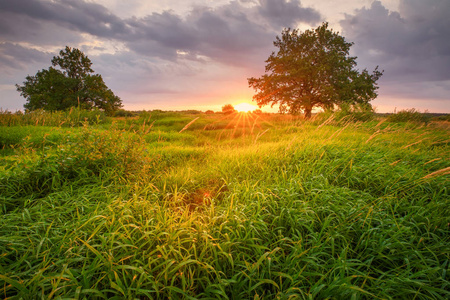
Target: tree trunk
[(308, 113)]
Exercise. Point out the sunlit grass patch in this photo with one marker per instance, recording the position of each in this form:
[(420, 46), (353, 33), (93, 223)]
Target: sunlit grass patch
[(295, 209)]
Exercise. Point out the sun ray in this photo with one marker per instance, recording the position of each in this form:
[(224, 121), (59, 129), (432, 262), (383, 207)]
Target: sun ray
[(237, 124), (235, 115), (244, 122)]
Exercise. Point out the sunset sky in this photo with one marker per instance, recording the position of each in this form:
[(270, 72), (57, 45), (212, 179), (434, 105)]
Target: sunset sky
[(198, 54)]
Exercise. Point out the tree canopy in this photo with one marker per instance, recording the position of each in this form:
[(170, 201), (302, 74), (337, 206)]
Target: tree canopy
[(313, 69), (72, 83), (228, 109)]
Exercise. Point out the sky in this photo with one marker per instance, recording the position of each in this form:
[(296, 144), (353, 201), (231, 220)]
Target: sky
[(198, 54)]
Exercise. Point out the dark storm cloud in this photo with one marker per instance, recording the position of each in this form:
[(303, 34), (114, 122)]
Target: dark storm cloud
[(411, 45)]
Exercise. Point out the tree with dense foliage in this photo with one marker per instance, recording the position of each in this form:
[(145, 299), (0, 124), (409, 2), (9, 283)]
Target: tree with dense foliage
[(71, 84), (228, 109), (313, 69)]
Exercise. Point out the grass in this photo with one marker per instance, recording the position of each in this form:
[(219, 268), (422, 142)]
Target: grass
[(70, 118), (233, 207)]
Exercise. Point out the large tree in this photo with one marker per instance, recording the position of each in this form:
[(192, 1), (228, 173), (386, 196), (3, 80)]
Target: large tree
[(313, 69), (72, 83)]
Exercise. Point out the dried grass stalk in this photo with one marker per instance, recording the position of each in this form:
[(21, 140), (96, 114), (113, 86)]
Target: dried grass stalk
[(440, 172), (415, 143), (188, 124), (327, 121), (433, 160), (373, 135)]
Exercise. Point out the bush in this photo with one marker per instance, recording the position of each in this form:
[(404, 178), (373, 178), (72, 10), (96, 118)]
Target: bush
[(355, 113), (123, 113), (228, 109), (191, 112), (409, 115), (345, 114), (443, 117), (76, 159), (8, 118), (356, 116)]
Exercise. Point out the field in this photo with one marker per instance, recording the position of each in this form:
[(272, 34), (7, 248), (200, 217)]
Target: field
[(171, 205)]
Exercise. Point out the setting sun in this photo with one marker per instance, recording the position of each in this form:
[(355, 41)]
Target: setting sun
[(245, 107)]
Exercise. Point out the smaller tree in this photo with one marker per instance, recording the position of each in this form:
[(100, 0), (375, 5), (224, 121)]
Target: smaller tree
[(73, 84), (228, 109)]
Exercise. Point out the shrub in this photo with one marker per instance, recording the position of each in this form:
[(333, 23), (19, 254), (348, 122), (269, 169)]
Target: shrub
[(443, 117), (345, 115), (76, 159), (355, 116), (409, 115), (123, 113), (228, 109), (191, 112), (355, 113), (8, 118)]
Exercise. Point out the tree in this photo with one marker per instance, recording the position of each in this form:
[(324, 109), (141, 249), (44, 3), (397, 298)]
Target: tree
[(73, 84), (228, 109), (313, 69)]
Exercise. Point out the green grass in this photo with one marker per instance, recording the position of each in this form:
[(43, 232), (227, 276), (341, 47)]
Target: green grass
[(267, 208), (71, 118)]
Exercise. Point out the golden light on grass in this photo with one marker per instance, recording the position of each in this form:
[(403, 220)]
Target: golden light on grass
[(245, 107), (187, 126), (243, 121)]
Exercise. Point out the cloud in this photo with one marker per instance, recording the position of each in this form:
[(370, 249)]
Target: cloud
[(224, 33), (76, 15), (206, 52), (14, 56), (413, 48), (411, 44), (162, 56), (228, 33), (287, 13)]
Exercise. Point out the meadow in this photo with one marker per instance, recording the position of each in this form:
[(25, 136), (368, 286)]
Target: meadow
[(183, 205)]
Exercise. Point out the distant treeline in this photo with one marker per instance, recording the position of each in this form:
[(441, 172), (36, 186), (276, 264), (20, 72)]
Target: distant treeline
[(77, 117)]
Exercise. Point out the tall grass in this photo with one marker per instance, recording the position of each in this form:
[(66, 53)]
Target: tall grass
[(70, 118), (275, 209)]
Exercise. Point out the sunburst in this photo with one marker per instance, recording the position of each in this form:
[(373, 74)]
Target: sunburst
[(245, 107)]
